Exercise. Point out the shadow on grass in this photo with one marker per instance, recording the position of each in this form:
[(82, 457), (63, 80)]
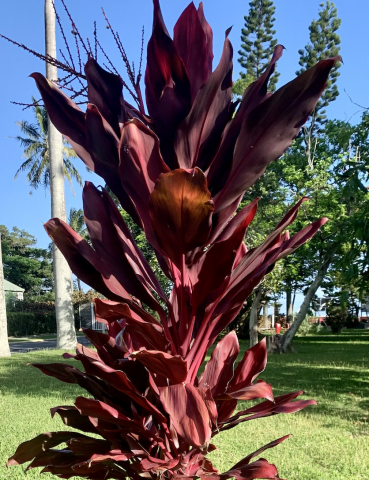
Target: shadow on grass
[(18, 378), (335, 373)]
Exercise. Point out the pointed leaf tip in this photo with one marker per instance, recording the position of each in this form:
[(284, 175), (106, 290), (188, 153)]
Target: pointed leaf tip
[(228, 31)]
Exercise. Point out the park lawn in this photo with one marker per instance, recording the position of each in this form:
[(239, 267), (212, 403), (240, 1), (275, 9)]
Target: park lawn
[(330, 441)]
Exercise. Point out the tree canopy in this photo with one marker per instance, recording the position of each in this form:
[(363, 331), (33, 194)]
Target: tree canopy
[(25, 264), (34, 141), (258, 40), (324, 43)]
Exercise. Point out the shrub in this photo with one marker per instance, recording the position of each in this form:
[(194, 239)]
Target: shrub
[(336, 317), (154, 413), (21, 324), (352, 321), (305, 328), (316, 328), (32, 307)]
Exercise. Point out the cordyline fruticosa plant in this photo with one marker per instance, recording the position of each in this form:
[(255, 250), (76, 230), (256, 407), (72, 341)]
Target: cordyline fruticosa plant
[(180, 171)]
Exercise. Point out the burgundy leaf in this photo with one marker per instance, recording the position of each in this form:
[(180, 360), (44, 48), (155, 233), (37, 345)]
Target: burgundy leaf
[(181, 210), (29, 450), (102, 411), (253, 363), (143, 335), (209, 37), (121, 382), (88, 445), (67, 117), (219, 369), (140, 166), (103, 144), (210, 403), (82, 259), (172, 367), (269, 129), (260, 389), (209, 272), (119, 457), (168, 89), (72, 418), (188, 413), (259, 469), (253, 96), (190, 41), (281, 404), (57, 457), (201, 129), (105, 92), (111, 311), (61, 371), (105, 345), (158, 466), (246, 460), (115, 246), (275, 236)]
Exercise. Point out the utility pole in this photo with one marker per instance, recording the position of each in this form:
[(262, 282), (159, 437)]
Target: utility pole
[(4, 342), (66, 334)]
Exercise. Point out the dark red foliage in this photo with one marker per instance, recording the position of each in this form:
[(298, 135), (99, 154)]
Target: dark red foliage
[(180, 171)]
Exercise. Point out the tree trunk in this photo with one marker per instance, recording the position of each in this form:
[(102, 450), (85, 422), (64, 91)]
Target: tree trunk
[(289, 306), (293, 300), (273, 314), (4, 343), (265, 316), (66, 334), (291, 332), (253, 326)]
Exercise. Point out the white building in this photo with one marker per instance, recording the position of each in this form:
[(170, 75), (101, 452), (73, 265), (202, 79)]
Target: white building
[(14, 289)]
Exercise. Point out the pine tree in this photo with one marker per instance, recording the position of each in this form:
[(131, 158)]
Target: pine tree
[(258, 40), (324, 43)]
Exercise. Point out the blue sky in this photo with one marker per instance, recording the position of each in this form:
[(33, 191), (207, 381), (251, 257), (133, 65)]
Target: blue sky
[(22, 20)]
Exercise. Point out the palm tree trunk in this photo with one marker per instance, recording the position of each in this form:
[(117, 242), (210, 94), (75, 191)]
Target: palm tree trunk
[(66, 334), (254, 338), (4, 343)]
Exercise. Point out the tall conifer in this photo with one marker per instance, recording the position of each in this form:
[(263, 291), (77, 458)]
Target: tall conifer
[(324, 43), (258, 41)]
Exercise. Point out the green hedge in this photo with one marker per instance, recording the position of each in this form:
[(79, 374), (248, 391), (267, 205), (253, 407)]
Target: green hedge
[(30, 323)]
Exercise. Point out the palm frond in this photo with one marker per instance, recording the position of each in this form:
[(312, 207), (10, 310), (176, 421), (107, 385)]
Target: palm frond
[(25, 142), (32, 130), (68, 152), (36, 150), (72, 171), (24, 166)]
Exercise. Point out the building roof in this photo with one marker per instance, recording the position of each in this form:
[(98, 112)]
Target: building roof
[(11, 287)]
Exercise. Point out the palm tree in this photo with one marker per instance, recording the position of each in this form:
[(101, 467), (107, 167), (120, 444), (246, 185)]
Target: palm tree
[(36, 150), (66, 333)]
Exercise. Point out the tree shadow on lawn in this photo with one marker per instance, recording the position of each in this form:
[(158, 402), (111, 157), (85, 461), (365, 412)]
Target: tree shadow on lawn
[(18, 378), (335, 374)]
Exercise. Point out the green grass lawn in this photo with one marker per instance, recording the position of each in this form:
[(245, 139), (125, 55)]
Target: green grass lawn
[(37, 338), (330, 441)]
